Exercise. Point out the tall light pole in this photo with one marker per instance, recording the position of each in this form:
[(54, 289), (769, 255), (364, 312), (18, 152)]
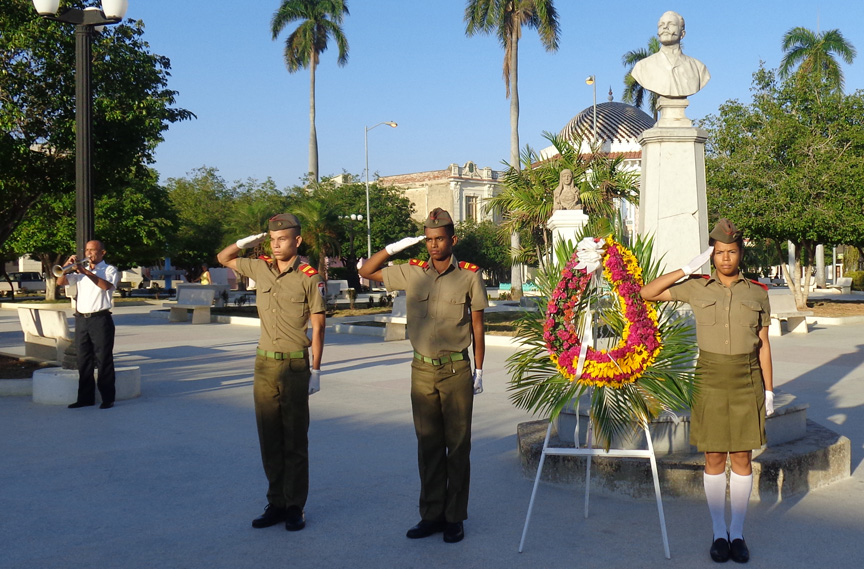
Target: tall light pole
[(591, 80), (369, 219), (86, 21)]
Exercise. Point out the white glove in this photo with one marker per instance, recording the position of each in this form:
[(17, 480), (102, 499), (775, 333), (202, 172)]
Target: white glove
[(250, 241), (697, 261), (769, 403), (478, 381), (315, 381), (403, 244)]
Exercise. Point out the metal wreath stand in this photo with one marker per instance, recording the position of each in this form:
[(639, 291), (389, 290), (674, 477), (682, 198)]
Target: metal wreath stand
[(590, 451)]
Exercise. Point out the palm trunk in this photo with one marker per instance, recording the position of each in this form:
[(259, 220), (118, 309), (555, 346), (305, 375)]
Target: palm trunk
[(515, 243), (313, 135)]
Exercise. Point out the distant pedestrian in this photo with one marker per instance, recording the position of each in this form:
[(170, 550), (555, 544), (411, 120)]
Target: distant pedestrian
[(735, 390), (290, 295), (96, 281), (445, 303)]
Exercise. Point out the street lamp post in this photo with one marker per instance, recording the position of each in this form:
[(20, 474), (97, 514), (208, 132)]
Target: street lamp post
[(368, 218), (86, 22), (591, 80)]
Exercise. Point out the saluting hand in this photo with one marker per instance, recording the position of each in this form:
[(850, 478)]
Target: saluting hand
[(403, 244), (697, 262), (250, 241)]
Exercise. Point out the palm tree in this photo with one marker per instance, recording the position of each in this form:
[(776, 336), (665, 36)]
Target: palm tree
[(634, 93), (815, 54), (506, 18), (320, 224), (319, 21)]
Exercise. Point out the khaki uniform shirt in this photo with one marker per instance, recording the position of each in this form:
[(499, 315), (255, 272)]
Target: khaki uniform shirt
[(285, 302), (728, 320), (439, 306)]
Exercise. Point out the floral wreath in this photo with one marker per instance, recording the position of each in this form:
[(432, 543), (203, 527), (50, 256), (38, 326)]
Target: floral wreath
[(640, 341)]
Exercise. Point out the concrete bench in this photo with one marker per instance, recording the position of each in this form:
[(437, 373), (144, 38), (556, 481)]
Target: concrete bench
[(46, 333), (783, 309), (197, 299), (843, 284), (220, 291), (396, 323)]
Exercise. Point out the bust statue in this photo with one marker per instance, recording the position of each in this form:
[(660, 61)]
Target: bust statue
[(566, 195), (669, 72)]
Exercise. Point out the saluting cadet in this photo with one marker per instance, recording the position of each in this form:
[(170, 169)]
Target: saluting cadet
[(289, 295), (735, 377), (445, 303)]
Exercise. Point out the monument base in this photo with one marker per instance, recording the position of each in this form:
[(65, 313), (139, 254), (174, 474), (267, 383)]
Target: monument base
[(565, 225)]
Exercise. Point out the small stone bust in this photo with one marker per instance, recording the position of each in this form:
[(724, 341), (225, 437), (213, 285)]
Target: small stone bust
[(566, 195)]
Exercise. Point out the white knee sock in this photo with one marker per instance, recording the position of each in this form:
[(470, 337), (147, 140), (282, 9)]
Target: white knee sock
[(715, 492), (740, 488)]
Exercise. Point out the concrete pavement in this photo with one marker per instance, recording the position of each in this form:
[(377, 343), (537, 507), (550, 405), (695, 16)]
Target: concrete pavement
[(173, 479)]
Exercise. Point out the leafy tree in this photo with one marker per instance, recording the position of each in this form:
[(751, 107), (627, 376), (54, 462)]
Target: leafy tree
[(790, 166), (132, 108), (320, 225), (482, 244), (634, 93), (505, 18), (319, 21), (816, 54)]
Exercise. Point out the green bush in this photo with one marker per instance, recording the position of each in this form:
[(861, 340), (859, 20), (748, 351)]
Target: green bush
[(857, 279), (337, 273)]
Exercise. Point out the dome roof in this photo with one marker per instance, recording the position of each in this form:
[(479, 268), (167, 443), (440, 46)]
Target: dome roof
[(616, 122)]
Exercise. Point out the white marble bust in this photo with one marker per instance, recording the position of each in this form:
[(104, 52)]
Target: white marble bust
[(669, 72)]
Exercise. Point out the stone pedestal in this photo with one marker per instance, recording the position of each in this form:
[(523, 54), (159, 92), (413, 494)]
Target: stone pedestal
[(672, 203), (565, 224)]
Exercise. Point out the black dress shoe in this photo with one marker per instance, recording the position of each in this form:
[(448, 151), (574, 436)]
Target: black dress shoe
[(79, 404), (106, 405), (720, 550), (272, 515), (424, 529), (294, 519), (738, 551), (454, 532)]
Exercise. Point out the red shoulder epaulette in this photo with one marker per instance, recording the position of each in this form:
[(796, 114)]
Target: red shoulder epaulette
[(470, 266), (307, 269), (419, 263), (265, 258), (763, 285)]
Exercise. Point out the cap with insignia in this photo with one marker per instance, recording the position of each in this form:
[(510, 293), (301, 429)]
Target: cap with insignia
[(283, 221), (725, 232), (438, 218)]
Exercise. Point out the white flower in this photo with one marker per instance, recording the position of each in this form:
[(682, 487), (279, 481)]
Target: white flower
[(590, 254)]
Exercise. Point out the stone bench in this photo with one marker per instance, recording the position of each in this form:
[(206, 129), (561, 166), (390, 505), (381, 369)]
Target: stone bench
[(195, 298), (58, 386), (784, 310), (396, 323), (46, 333), (843, 284)]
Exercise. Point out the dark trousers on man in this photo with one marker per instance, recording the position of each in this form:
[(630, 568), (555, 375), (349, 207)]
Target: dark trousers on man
[(94, 341), (442, 400), (281, 393)]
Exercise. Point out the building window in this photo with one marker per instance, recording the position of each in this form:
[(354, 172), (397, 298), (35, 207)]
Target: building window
[(471, 208)]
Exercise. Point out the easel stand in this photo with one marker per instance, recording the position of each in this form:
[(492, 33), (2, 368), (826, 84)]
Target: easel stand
[(589, 452)]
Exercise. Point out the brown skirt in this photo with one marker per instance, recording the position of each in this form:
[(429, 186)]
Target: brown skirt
[(728, 412)]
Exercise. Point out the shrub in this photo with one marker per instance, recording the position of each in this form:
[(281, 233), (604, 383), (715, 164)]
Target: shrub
[(857, 279)]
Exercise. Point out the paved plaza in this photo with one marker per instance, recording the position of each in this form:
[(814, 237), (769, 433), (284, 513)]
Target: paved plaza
[(173, 479)]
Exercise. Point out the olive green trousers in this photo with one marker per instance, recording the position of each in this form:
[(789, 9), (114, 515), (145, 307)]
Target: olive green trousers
[(281, 393), (442, 399)]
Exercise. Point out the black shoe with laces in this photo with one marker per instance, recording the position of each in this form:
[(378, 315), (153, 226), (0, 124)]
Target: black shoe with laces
[(272, 515)]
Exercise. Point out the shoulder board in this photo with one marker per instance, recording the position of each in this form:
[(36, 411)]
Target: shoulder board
[(265, 258), (763, 285), (468, 266), (307, 269), (419, 263)]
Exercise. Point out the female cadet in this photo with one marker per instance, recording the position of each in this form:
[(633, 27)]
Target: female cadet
[(735, 377)]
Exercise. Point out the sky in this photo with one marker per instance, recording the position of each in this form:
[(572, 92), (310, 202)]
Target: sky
[(411, 62)]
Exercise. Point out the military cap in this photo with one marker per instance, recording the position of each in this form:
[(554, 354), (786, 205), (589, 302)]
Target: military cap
[(283, 221), (438, 218), (725, 232)]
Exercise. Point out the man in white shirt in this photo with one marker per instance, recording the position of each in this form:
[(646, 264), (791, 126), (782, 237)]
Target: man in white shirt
[(94, 327)]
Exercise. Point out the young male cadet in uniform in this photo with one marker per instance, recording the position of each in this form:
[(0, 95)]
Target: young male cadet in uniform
[(289, 295), (445, 303), (94, 327)]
